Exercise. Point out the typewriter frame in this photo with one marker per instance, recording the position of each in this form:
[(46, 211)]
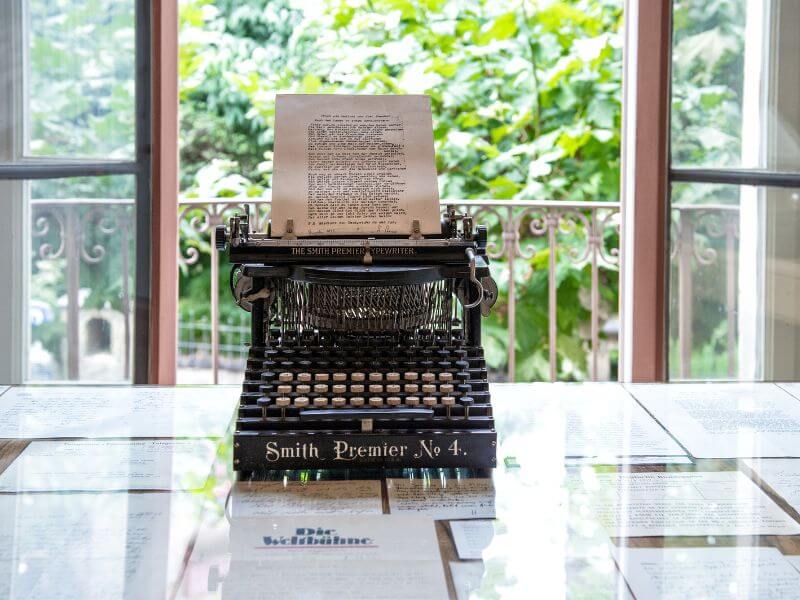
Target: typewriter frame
[(372, 437)]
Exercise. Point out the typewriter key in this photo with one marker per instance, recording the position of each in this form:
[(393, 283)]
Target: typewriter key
[(466, 402), (393, 388), (427, 377), (356, 401), (320, 388), (411, 388), (376, 377), (284, 389), (464, 388), (357, 376), (320, 377), (429, 401), (340, 376), (301, 402), (445, 376), (339, 388), (376, 401), (320, 402), (339, 402), (412, 401), (375, 388), (393, 401), (304, 376), (446, 388), (448, 402), (410, 375), (302, 388), (393, 376), (428, 388), (282, 402), (356, 388), (264, 402)]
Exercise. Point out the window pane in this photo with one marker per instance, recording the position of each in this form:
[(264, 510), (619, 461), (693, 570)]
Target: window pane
[(80, 69), (81, 287), (734, 283), (735, 84)]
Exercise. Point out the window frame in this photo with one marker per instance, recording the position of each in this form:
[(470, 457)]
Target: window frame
[(152, 189)]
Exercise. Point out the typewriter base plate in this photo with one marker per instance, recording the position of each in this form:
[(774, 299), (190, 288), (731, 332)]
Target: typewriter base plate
[(259, 450)]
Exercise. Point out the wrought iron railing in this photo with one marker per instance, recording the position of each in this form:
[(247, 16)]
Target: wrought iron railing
[(81, 233)]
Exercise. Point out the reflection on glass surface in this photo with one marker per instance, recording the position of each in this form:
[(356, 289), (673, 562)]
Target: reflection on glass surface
[(81, 287), (81, 63), (735, 84), (734, 281)]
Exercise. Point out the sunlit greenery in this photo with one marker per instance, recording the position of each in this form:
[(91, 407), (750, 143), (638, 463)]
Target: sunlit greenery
[(526, 102)]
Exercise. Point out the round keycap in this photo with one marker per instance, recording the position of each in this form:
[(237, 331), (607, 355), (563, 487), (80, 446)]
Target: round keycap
[(357, 377), (321, 377), (410, 375), (283, 401), (428, 377), (356, 401), (393, 401), (428, 388), (284, 389), (448, 400), (446, 388), (302, 388), (264, 401), (301, 402), (376, 401), (412, 401), (320, 388), (356, 388), (376, 377), (393, 388), (320, 401), (375, 388), (445, 376), (339, 402), (429, 401), (393, 376), (340, 376), (339, 388), (304, 377), (411, 388)]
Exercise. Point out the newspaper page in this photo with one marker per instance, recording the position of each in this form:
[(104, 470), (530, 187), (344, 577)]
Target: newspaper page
[(354, 165)]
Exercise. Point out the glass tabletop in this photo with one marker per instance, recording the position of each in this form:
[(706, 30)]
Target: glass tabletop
[(592, 498)]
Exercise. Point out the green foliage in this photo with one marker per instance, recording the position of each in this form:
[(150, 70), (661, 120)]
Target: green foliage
[(526, 104)]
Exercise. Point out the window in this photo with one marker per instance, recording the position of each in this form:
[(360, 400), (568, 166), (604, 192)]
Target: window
[(734, 273), (75, 189)]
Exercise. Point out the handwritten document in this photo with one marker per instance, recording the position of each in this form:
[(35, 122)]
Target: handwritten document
[(726, 420), (117, 411), (782, 475), (93, 546), (334, 556), (278, 498), (708, 573), (673, 503), (437, 499), (601, 421), (472, 537), (101, 465), (354, 164)]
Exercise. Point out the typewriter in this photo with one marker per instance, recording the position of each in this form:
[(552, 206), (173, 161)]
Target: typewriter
[(365, 351)]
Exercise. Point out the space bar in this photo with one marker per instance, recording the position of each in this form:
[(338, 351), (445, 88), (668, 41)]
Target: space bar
[(348, 414)]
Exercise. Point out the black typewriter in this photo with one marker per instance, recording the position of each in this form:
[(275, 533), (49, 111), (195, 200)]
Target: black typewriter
[(366, 351)]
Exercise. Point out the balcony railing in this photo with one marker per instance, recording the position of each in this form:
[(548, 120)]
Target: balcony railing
[(547, 233)]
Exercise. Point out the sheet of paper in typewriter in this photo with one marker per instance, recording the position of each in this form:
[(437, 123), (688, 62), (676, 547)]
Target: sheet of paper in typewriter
[(354, 165)]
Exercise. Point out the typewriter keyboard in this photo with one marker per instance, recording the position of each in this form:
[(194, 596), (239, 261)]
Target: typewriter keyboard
[(287, 383)]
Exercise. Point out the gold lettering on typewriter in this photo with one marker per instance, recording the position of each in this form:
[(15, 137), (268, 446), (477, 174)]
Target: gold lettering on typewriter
[(352, 251)]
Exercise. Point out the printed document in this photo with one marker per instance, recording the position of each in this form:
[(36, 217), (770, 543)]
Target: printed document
[(438, 499), (726, 420), (674, 504), (117, 411), (708, 573), (354, 165), (106, 465), (279, 498)]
